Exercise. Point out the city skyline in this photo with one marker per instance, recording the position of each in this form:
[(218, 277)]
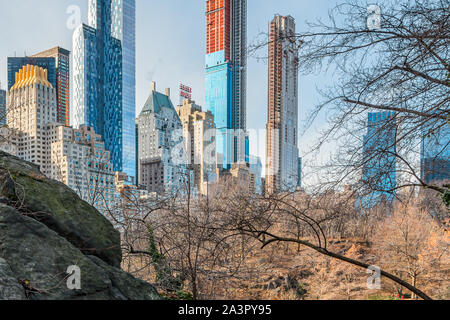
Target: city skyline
[(158, 59), (310, 140)]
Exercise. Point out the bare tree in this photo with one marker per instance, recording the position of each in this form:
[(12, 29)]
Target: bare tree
[(265, 220), (181, 240), (411, 243)]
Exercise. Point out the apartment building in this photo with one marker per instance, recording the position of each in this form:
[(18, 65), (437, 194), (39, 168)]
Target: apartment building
[(199, 135)]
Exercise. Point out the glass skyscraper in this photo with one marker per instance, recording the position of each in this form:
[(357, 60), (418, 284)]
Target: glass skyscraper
[(226, 65), (62, 69), (379, 160), (104, 78), (435, 154), (124, 29)]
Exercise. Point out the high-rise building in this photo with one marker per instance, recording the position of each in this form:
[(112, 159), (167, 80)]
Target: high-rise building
[(226, 76), (98, 80), (31, 106), (2, 107), (163, 161), (77, 158), (62, 80), (80, 161), (282, 123), (124, 29), (379, 160), (435, 155), (200, 144)]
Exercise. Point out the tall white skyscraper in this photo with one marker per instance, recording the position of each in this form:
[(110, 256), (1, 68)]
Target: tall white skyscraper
[(282, 123)]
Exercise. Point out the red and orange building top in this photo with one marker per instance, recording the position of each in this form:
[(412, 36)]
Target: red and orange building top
[(218, 36)]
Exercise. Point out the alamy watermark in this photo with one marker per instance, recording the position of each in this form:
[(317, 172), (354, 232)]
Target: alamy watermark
[(74, 19), (374, 281), (74, 279)]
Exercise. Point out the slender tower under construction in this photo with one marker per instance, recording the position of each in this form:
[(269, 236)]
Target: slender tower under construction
[(282, 159), (226, 77)]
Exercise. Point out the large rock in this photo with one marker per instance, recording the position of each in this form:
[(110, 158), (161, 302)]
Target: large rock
[(34, 260), (59, 208), (10, 288)]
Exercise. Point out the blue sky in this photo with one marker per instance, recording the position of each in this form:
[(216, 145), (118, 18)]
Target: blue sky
[(170, 46)]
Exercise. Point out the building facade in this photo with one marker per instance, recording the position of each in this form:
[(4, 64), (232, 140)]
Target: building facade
[(282, 123), (79, 160), (62, 80), (31, 106), (379, 160), (15, 64), (226, 77), (435, 155), (124, 29), (98, 84), (199, 136), (163, 161), (76, 158), (2, 107)]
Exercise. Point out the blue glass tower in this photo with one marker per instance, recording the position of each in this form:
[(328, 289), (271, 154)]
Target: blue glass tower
[(124, 29), (218, 101), (226, 77), (379, 168), (98, 84), (435, 154)]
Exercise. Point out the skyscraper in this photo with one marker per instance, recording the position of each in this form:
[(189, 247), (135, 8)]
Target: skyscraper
[(31, 106), (163, 163), (435, 155), (226, 68), (124, 29), (100, 70), (379, 160), (199, 137), (75, 157), (62, 80), (282, 122)]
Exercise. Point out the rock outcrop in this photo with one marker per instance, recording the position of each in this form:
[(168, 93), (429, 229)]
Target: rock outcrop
[(46, 228)]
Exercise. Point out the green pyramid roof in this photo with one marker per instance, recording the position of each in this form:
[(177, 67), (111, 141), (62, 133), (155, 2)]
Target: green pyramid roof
[(155, 102)]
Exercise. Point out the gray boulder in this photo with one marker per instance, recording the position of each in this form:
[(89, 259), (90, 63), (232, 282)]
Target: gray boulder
[(34, 260), (10, 288), (59, 208)]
